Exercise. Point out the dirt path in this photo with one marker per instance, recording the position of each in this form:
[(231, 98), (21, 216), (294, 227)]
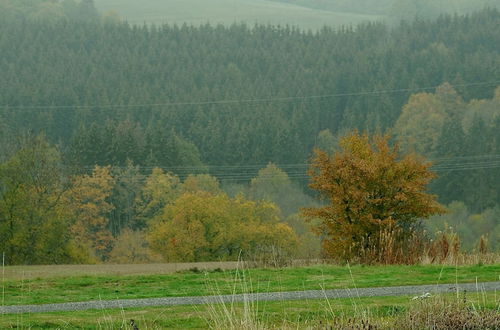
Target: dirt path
[(419, 290)]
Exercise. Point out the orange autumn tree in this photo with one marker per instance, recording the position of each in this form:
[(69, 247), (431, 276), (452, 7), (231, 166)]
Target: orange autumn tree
[(371, 191)]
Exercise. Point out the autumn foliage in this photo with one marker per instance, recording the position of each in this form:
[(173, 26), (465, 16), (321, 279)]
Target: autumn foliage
[(88, 202), (201, 226), (371, 192)]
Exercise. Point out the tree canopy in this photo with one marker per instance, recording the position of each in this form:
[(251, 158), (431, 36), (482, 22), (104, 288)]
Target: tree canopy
[(368, 188), (201, 226)]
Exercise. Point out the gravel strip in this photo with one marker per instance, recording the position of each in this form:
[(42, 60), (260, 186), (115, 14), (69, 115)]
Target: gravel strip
[(269, 296)]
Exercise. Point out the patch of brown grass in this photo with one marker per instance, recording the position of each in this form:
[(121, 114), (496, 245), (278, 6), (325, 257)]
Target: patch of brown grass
[(441, 313), (393, 246), (48, 271)]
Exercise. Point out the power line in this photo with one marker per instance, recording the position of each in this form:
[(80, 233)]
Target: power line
[(303, 176), (465, 157), (298, 171), (243, 101), (469, 167), (281, 166)]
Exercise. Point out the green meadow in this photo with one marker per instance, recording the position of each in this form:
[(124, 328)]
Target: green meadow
[(196, 12), (384, 312), (293, 314), (40, 290)]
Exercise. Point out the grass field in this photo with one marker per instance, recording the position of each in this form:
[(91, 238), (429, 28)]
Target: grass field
[(196, 12), (51, 284), (312, 314), (188, 283)]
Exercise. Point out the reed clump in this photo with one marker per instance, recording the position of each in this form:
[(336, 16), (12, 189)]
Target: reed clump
[(393, 246)]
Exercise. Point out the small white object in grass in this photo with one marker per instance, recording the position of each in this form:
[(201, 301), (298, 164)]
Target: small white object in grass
[(424, 296)]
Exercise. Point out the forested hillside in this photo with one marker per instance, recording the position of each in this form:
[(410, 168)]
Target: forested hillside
[(230, 100), (241, 95)]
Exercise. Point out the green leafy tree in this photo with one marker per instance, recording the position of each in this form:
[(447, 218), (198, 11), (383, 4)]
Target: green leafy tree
[(34, 220), (420, 124), (274, 185), (131, 247), (468, 225), (327, 141), (159, 190), (200, 182), (112, 80), (128, 183)]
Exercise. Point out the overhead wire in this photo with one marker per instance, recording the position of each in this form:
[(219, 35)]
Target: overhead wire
[(299, 171), (243, 101), (241, 171), (289, 165)]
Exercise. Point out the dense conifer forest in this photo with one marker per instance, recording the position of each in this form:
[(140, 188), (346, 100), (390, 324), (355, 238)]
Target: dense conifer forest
[(228, 100)]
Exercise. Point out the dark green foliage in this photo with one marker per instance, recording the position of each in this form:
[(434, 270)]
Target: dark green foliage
[(34, 222), (101, 67), (449, 183), (467, 156), (128, 184), (126, 141), (469, 226)]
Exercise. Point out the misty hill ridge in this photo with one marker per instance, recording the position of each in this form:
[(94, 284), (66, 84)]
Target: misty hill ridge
[(305, 14)]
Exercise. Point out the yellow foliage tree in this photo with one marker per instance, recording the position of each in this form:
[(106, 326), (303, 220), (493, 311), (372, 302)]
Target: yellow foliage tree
[(200, 182), (160, 189), (131, 247), (88, 202), (421, 122), (369, 189), (201, 226)]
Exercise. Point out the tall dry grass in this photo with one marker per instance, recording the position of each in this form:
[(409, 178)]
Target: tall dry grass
[(394, 246), (232, 315), (449, 314), (390, 246)]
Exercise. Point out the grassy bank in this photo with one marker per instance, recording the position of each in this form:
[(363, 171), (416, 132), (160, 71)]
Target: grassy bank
[(195, 283)]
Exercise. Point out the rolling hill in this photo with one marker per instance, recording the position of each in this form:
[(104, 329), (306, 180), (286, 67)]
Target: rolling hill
[(226, 12)]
